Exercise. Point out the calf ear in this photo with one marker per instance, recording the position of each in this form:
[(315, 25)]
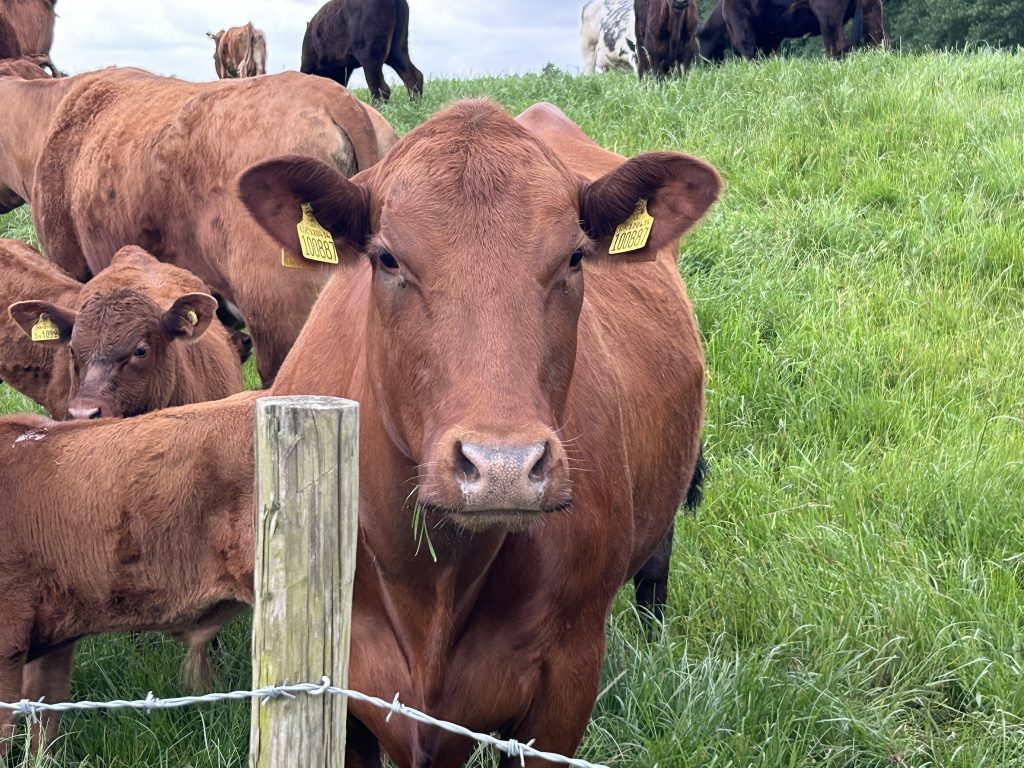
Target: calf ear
[(679, 189), (27, 313), (190, 316), (275, 190)]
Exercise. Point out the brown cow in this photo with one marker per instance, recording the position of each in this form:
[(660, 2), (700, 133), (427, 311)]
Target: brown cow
[(132, 158), (100, 537), (239, 52), (345, 35), (548, 432), (665, 36), (758, 27), (26, 27), (135, 338)]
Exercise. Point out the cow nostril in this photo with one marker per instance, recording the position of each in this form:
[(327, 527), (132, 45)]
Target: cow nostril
[(465, 465), (85, 413), (539, 471)]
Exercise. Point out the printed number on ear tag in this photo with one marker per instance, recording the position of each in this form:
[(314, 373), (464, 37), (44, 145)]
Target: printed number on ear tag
[(633, 233), (45, 329), (315, 241)]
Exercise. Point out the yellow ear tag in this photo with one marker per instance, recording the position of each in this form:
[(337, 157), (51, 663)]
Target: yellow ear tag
[(315, 241), (633, 233), (45, 329), (192, 317), (289, 260)]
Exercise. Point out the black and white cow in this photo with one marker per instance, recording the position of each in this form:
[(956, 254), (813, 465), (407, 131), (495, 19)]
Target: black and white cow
[(608, 36)]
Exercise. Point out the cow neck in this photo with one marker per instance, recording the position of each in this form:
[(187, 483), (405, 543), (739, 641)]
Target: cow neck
[(30, 105)]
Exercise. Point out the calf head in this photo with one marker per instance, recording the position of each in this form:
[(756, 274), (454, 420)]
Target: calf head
[(121, 345), (477, 235)]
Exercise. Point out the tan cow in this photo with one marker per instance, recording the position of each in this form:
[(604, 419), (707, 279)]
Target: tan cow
[(26, 27), (101, 536), (239, 52), (139, 336), (132, 158), (539, 398)]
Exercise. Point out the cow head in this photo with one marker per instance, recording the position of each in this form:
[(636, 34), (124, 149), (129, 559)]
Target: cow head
[(478, 237), (120, 344)]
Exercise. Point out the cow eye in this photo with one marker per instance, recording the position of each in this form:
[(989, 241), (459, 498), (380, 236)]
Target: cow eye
[(140, 352), (387, 260), (576, 259)]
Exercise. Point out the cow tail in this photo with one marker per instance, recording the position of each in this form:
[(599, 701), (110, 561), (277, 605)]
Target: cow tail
[(857, 32), (695, 493)]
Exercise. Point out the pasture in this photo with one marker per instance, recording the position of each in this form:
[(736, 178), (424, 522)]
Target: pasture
[(851, 592)]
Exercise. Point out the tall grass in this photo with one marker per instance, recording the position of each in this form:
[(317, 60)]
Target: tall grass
[(851, 593)]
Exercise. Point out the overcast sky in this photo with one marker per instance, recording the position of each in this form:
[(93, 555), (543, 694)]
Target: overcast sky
[(446, 37)]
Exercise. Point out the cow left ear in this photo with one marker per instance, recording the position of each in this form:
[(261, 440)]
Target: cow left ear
[(190, 316), (678, 188)]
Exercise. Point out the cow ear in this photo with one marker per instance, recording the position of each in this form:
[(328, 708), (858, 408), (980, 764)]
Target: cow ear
[(275, 190), (190, 316), (678, 188), (44, 317)]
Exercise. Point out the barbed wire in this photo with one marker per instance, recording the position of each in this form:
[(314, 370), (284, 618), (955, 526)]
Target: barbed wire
[(511, 747)]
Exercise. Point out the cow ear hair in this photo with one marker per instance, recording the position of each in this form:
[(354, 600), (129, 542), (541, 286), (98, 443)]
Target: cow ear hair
[(190, 316), (27, 313), (679, 189), (273, 191)]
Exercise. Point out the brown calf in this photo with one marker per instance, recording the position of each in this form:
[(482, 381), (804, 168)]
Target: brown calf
[(345, 35), (115, 545), (135, 338), (665, 36), (539, 399), (758, 27), (239, 52), (132, 158)]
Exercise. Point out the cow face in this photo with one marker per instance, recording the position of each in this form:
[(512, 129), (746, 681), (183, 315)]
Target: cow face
[(477, 236), (122, 363)]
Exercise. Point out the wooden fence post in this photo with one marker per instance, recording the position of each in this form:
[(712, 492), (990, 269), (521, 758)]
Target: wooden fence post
[(307, 500)]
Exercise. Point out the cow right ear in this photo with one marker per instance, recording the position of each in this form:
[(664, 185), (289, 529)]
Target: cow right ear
[(44, 322), (273, 191)]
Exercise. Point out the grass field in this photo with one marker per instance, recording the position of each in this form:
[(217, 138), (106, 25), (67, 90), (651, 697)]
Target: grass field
[(851, 593)]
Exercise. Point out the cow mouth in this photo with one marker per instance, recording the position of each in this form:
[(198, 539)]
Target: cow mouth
[(509, 520)]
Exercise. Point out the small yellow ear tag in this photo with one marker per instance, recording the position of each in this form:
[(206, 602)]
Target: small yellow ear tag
[(294, 262), (192, 317), (633, 233), (45, 329), (315, 241)]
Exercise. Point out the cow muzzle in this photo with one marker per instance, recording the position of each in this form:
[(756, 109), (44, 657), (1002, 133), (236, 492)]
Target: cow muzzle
[(679, 5), (87, 408), (484, 483)]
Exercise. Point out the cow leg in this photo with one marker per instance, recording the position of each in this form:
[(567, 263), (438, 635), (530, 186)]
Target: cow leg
[(11, 669), (560, 711), (830, 19), (362, 750), (380, 91), (651, 582), (874, 30), (48, 678), (398, 57)]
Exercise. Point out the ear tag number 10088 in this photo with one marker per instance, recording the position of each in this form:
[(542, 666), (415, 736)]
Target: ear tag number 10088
[(315, 241), (633, 233)]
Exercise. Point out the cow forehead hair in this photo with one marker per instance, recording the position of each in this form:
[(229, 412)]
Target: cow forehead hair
[(119, 309)]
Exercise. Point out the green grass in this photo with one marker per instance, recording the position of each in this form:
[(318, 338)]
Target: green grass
[(851, 593)]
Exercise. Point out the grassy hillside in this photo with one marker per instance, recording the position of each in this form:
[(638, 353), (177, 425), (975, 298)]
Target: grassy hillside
[(851, 594)]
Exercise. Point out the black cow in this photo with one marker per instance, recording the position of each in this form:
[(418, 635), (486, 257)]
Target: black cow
[(758, 27), (347, 34)]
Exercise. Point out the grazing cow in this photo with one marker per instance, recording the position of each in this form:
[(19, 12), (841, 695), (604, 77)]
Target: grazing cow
[(135, 338), (546, 433), (666, 36), (99, 535), (758, 27), (345, 35), (133, 158), (29, 67), (608, 36), (26, 27), (239, 52)]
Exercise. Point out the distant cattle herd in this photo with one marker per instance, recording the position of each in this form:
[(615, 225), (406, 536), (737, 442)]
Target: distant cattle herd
[(547, 432)]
